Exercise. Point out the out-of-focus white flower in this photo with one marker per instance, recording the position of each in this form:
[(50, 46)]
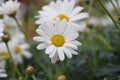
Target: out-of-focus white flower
[(9, 7), (3, 73), (58, 38), (64, 9), (10, 22), (16, 34), (110, 7), (1, 1), (1, 28), (19, 50), (100, 21)]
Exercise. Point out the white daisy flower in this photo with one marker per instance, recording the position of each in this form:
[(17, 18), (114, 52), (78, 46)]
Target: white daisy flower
[(58, 39), (19, 50), (1, 28), (64, 9), (9, 7)]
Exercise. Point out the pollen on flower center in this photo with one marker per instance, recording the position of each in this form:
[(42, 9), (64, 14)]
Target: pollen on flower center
[(17, 50), (62, 16), (58, 40), (4, 53)]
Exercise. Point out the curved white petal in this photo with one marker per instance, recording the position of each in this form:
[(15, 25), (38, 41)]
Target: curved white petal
[(53, 53), (80, 16), (41, 46), (67, 52), (54, 58), (49, 49), (60, 54), (71, 36), (69, 45)]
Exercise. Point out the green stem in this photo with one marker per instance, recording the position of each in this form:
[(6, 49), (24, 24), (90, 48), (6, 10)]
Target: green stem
[(115, 7), (90, 6), (21, 28), (102, 5), (33, 76), (13, 60)]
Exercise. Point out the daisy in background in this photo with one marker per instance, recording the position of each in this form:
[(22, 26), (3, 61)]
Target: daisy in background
[(9, 7), (111, 8), (10, 22), (100, 21), (19, 50), (1, 28), (63, 9), (58, 38)]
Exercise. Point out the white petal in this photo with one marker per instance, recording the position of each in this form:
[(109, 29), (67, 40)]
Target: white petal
[(2, 75), (71, 5), (57, 22), (49, 49), (80, 16), (55, 58), (60, 54), (62, 26), (70, 29), (69, 45), (75, 42), (80, 27), (18, 59), (71, 36), (27, 54), (38, 38), (67, 52), (76, 11), (25, 46), (41, 46), (42, 33), (73, 52), (53, 53)]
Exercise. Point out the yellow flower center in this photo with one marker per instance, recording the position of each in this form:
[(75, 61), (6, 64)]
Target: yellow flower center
[(4, 53), (62, 16), (17, 50), (58, 40)]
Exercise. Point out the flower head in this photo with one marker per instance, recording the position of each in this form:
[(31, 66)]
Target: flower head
[(65, 10), (58, 39), (19, 50), (9, 7)]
